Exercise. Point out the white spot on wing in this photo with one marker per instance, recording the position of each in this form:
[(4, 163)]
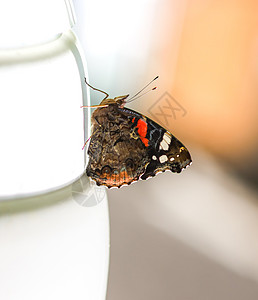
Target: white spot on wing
[(167, 137), (163, 158), (154, 157), (172, 158), (163, 145)]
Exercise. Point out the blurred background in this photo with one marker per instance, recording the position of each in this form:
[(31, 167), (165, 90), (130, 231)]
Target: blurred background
[(191, 235)]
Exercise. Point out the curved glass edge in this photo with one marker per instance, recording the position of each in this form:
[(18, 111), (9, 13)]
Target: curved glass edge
[(69, 37)]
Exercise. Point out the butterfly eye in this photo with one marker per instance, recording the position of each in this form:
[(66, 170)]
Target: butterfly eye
[(106, 171), (129, 164)]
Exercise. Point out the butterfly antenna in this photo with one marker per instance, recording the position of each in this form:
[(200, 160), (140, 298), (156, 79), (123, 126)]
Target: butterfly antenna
[(132, 98), (95, 89)]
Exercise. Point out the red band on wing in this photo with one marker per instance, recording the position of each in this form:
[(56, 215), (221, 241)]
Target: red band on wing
[(142, 130)]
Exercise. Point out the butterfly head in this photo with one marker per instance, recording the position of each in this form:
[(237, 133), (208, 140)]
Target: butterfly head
[(120, 101)]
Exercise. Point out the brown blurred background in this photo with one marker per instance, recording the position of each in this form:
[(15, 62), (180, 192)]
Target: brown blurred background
[(193, 235)]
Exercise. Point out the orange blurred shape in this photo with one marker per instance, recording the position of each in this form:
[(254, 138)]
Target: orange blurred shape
[(215, 74)]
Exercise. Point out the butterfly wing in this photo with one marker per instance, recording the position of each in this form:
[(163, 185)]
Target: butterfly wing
[(115, 157), (126, 146), (165, 151)]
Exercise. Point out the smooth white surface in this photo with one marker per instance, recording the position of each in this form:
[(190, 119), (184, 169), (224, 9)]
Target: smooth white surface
[(28, 22), (54, 245), (41, 122), (53, 248)]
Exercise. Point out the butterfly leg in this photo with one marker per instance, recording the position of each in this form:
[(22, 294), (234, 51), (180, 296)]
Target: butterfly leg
[(97, 122)]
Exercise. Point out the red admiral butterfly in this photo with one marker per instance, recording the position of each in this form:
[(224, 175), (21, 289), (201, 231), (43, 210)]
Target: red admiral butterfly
[(126, 146)]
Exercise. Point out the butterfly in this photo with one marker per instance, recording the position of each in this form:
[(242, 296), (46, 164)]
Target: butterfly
[(126, 146)]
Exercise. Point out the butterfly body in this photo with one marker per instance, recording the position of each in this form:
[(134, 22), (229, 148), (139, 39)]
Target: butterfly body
[(127, 146)]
